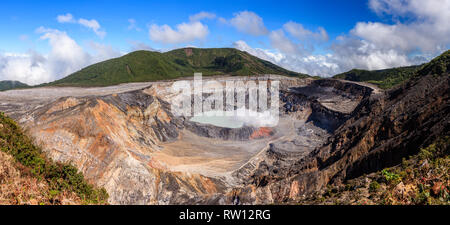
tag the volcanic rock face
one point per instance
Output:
(126, 139)
(381, 130)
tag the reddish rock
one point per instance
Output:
(262, 132)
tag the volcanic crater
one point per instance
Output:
(127, 139)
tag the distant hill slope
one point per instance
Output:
(438, 66)
(9, 84)
(389, 78)
(143, 66)
(385, 79)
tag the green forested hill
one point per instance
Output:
(143, 66)
(385, 79)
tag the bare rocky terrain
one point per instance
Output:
(126, 139)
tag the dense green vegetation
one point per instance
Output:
(385, 79)
(143, 66)
(438, 66)
(9, 84)
(60, 176)
(427, 174)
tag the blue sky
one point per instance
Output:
(21, 18)
(44, 40)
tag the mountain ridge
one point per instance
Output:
(142, 66)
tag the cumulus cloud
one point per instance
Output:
(185, 32)
(297, 30)
(346, 54)
(26, 68)
(249, 22)
(91, 24)
(64, 58)
(66, 55)
(420, 28)
(427, 28)
(202, 15)
(352, 53)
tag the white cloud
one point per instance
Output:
(297, 30)
(222, 20)
(185, 32)
(258, 52)
(67, 18)
(132, 25)
(350, 53)
(420, 27)
(279, 41)
(66, 55)
(28, 68)
(347, 54)
(102, 52)
(434, 10)
(427, 28)
(91, 24)
(202, 15)
(64, 58)
(309, 64)
(249, 22)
